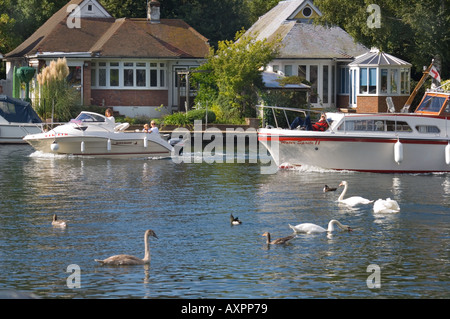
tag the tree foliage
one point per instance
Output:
(234, 79)
(415, 30)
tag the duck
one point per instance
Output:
(278, 241)
(386, 206)
(58, 223)
(310, 228)
(327, 188)
(234, 221)
(122, 260)
(351, 201)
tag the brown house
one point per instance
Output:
(128, 64)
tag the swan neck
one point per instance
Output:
(146, 248)
(334, 222)
(341, 197)
(268, 238)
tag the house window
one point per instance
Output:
(288, 70)
(344, 87)
(325, 84)
(307, 12)
(404, 80)
(141, 74)
(101, 74)
(302, 71)
(313, 69)
(114, 74)
(368, 80)
(394, 81)
(128, 75)
(384, 80)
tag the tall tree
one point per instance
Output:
(415, 30)
(235, 75)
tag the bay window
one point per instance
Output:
(128, 75)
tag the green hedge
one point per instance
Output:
(182, 118)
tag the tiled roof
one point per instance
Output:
(107, 37)
(304, 40)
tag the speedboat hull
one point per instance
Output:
(128, 146)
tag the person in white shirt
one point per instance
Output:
(154, 128)
(109, 115)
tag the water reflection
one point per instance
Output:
(109, 203)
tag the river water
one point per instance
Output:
(110, 203)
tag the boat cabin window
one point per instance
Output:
(374, 126)
(87, 117)
(431, 103)
(428, 129)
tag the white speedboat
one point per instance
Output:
(17, 119)
(416, 142)
(92, 134)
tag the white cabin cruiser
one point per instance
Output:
(416, 142)
(17, 119)
(92, 134)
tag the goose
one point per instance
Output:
(309, 228)
(327, 188)
(58, 223)
(351, 201)
(386, 206)
(119, 260)
(278, 241)
(234, 221)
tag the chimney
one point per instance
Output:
(153, 11)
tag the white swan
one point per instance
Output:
(278, 241)
(58, 223)
(386, 206)
(119, 260)
(309, 228)
(354, 200)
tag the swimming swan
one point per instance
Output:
(309, 228)
(234, 221)
(119, 260)
(278, 241)
(351, 201)
(386, 206)
(58, 223)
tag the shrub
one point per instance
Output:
(181, 118)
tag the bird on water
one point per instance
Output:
(121, 260)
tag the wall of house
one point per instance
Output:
(131, 102)
(87, 97)
(376, 104)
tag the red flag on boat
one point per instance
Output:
(435, 74)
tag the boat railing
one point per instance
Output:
(285, 109)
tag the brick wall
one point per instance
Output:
(129, 97)
(377, 104)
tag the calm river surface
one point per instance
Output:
(110, 203)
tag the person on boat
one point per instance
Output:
(320, 125)
(146, 129)
(154, 128)
(109, 115)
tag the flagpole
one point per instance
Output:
(416, 89)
